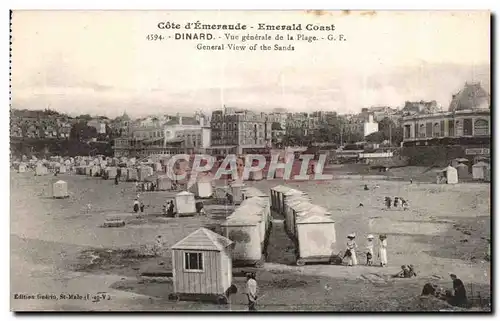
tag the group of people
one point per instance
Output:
(351, 256)
(407, 271)
(138, 205)
(169, 208)
(397, 200)
(457, 297)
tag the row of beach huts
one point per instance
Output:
(243, 240)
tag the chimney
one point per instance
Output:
(370, 118)
(202, 121)
(180, 120)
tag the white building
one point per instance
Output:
(370, 126)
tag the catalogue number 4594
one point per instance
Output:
(155, 37)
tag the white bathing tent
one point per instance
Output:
(185, 203)
(479, 170)
(462, 170)
(60, 189)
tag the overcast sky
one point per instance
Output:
(101, 63)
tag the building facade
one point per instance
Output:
(239, 131)
(462, 131)
(179, 135)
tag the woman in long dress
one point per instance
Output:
(369, 250)
(383, 250)
(351, 247)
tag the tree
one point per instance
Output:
(81, 132)
(376, 137)
(391, 130)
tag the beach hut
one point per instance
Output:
(448, 175)
(462, 171)
(60, 189)
(62, 169)
(203, 188)
(316, 239)
(236, 192)
(487, 174)
(111, 172)
(479, 170)
(41, 170)
(290, 193)
(292, 206)
(265, 204)
(131, 175)
(185, 203)
(143, 172)
(96, 171)
(276, 196)
(245, 232)
(202, 267)
(21, 168)
(163, 183)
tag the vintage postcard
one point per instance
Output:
(250, 161)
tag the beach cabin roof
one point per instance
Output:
(293, 191)
(248, 209)
(241, 220)
(60, 182)
(461, 159)
(312, 218)
(203, 239)
(184, 193)
(254, 192)
(481, 164)
(281, 188)
(461, 165)
(256, 200)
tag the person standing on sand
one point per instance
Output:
(351, 250)
(142, 207)
(382, 254)
(251, 292)
(136, 205)
(369, 250)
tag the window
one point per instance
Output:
(435, 131)
(451, 128)
(467, 127)
(422, 130)
(428, 130)
(193, 261)
(481, 127)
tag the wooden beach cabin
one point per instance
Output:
(60, 189)
(185, 203)
(202, 267)
(292, 193)
(462, 171)
(245, 232)
(479, 169)
(276, 197)
(316, 239)
(236, 192)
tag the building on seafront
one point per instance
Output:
(178, 135)
(238, 131)
(466, 123)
